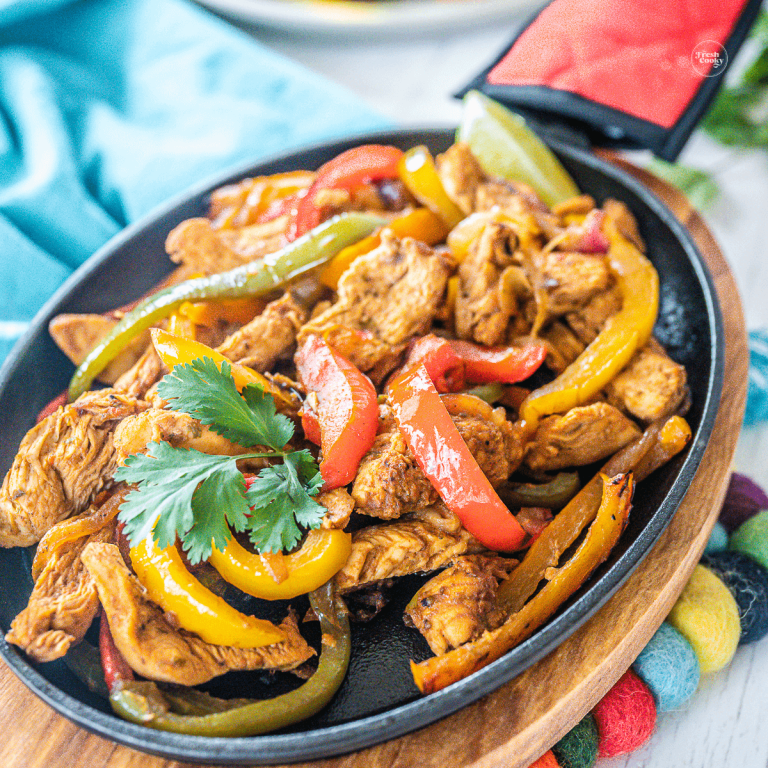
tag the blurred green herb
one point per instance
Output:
(739, 116)
(699, 186)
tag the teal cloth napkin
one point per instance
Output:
(109, 107)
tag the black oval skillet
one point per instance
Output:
(378, 700)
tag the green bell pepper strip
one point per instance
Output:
(553, 495)
(253, 279)
(145, 704)
(505, 146)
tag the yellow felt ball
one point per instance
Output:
(707, 615)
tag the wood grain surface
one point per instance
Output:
(513, 726)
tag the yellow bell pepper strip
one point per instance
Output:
(144, 703)
(623, 334)
(438, 672)
(347, 412)
(446, 460)
(505, 146)
(420, 224)
(170, 585)
(674, 436)
(578, 513)
(418, 172)
(320, 557)
(254, 279)
(175, 350)
(211, 313)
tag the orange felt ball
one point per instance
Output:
(547, 760)
(626, 717)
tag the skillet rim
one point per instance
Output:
(405, 718)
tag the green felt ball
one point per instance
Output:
(578, 748)
(751, 538)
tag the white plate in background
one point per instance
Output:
(361, 16)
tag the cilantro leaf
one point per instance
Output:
(183, 493)
(280, 499)
(210, 395)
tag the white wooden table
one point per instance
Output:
(411, 82)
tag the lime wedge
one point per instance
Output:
(506, 147)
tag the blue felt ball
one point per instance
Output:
(669, 667)
(748, 582)
(718, 540)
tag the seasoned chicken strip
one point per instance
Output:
(385, 298)
(62, 463)
(456, 606)
(569, 280)
(587, 321)
(581, 436)
(201, 249)
(421, 541)
(481, 312)
(64, 600)
(651, 386)
(181, 430)
(461, 175)
(77, 335)
(261, 342)
(157, 651)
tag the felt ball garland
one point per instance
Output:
(724, 604)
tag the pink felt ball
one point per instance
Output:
(626, 717)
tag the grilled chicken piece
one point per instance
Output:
(157, 651)
(461, 175)
(385, 298)
(77, 335)
(581, 436)
(147, 371)
(339, 504)
(255, 240)
(201, 249)
(587, 321)
(563, 347)
(651, 386)
(625, 221)
(456, 606)
(181, 430)
(64, 601)
(62, 463)
(421, 541)
(569, 280)
(482, 312)
(389, 482)
(261, 342)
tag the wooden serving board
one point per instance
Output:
(521, 720)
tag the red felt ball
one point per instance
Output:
(626, 717)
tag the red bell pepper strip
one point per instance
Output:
(451, 363)
(444, 457)
(444, 366)
(508, 364)
(348, 170)
(115, 667)
(348, 411)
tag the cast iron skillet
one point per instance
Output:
(378, 700)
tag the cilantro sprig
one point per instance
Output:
(201, 498)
